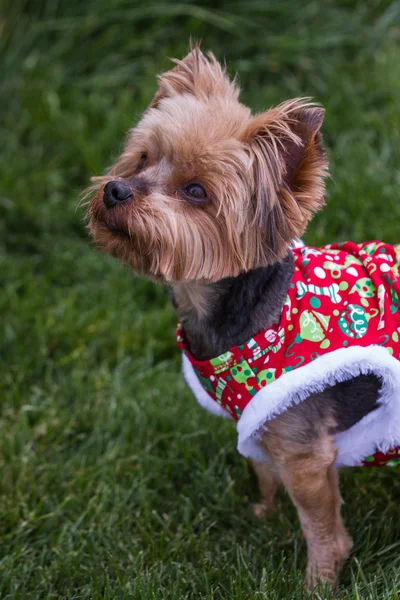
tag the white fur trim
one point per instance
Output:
(200, 393)
(298, 243)
(379, 430)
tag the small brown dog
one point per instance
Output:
(209, 199)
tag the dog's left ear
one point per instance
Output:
(290, 167)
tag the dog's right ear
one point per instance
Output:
(197, 74)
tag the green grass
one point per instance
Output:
(114, 483)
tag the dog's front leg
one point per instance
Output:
(306, 467)
(311, 485)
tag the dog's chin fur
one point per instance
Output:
(263, 175)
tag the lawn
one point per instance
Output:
(114, 483)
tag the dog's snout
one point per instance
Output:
(116, 192)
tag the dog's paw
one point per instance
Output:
(319, 577)
(262, 510)
(324, 567)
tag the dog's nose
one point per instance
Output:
(116, 192)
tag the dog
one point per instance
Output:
(298, 344)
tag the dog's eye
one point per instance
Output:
(142, 163)
(195, 192)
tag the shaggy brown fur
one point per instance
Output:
(264, 177)
(218, 192)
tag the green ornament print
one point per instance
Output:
(310, 326)
(310, 329)
(364, 287)
(353, 321)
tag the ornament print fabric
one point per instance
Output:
(341, 295)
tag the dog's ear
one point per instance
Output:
(289, 172)
(197, 74)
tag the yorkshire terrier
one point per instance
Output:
(298, 344)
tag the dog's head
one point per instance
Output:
(204, 189)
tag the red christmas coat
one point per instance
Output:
(341, 318)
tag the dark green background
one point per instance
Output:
(114, 484)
